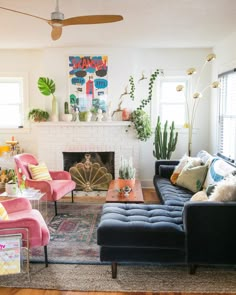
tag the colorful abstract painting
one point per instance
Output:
(88, 83)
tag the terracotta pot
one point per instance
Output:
(125, 115)
(126, 182)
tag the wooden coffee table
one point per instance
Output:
(114, 196)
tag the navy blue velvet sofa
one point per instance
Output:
(176, 231)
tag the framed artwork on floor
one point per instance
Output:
(88, 82)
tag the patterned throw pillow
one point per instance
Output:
(3, 213)
(218, 169)
(39, 172)
(192, 178)
(193, 161)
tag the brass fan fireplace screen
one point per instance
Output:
(91, 174)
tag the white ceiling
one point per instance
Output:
(146, 24)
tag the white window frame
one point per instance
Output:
(157, 106)
(22, 78)
(223, 114)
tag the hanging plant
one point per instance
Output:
(142, 124)
(140, 119)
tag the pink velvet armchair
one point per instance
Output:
(55, 189)
(23, 219)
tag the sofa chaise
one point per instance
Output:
(177, 231)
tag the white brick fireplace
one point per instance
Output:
(52, 139)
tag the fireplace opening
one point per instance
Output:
(92, 171)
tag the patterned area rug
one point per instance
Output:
(73, 234)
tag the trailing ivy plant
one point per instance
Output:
(142, 124)
(141, 120)
(132, 87)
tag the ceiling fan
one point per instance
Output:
(57, 21)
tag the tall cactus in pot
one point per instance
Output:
(165, 141)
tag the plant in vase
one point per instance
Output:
(126, 173)
(47, 87)
(11, 186)
(67, 116)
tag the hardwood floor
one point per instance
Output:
(149, 196)
(13, 291)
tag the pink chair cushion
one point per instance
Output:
(61, 188)
(21, 215)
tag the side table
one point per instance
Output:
(114, 196)
(34, 196)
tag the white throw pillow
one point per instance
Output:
(225, 190)
(199, 196)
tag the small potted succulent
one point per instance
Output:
(67, 116)
(126, 173)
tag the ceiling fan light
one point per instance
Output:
(56, 23)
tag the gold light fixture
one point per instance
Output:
(197, 95)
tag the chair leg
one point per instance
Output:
(55, 203)
(114, 270)
(46, 255)
(72, 196)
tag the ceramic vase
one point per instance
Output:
(11, 189)
(54, 116)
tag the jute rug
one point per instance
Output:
(130, 278)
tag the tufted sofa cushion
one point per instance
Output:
(139, 225)
(171, 194)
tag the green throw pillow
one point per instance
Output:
(192, 178)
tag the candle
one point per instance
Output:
(12, 138)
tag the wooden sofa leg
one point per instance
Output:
(46, 255)
(114, 270)
(192, 269)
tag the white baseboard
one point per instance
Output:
(147, 183)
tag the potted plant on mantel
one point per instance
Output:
(47, 87)
(38, 115)
(126, 173)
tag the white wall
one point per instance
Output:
(122, 62)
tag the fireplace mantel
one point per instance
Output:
(81, 123)
(54, 138)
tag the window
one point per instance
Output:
(172, 105)
(11, 102)
(227, 114)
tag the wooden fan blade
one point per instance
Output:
(56, 33)
(91, 19)
(38, 17)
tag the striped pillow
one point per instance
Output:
(39, 172)
(3, 213)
